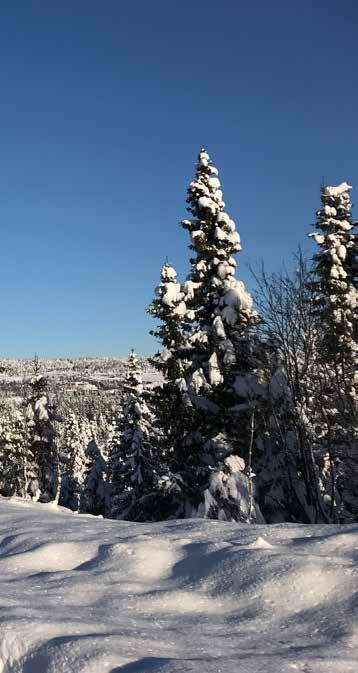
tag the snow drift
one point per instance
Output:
(81, 594)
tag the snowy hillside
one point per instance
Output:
(101, 373)
(86, 595)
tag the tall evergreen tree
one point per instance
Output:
(94, 492)
(16, 459)
(40, 416)
(222, 339)
(170, 308)
(336, 293)
(336, 269)
(73, 450)
(220, 303)
(173, 410)
(132, 470)
(212, 344)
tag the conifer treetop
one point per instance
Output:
(214, 240)
(133, 377)
(170, 291)
(206, 204)
(336, 241)
(169, 306)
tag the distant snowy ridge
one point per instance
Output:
(81, 594)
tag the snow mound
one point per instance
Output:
(260, 543)
(51, 557)
(81, 594)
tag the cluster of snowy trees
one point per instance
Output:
(49, 457)
(255, 417)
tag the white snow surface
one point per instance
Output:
(81, 594)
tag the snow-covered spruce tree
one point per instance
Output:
(223, 351)
(74, 459)
(132, 466)
(40, 417)
(174, 415)
(213, 345)
(9, 473)
(336, 270)
(94, 491)
(336, 302)
(170, 308)
(16, 460)
(219, 303)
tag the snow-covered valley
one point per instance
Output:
(81, 594)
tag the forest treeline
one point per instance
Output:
(254, 417)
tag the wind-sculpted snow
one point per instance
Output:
(84, 595)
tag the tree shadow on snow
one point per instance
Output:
(144, 665)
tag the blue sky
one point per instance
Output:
(103, 109)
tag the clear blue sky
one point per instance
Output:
(103, 108)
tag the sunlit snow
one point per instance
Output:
(85, 595)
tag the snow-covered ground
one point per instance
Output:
(85, 595)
